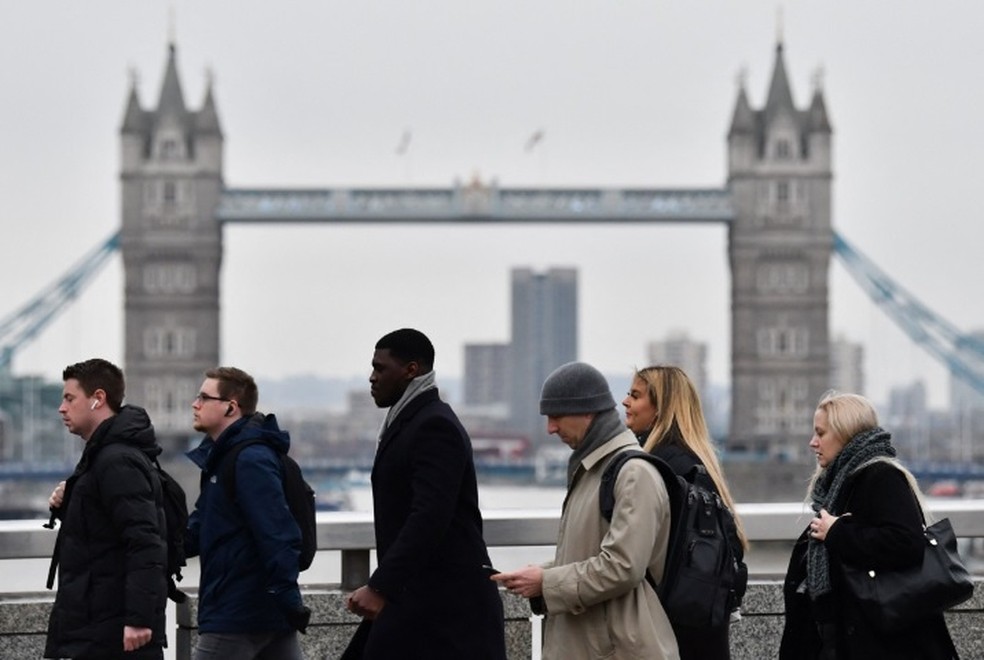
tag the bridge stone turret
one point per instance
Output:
(780, 245)
(171, 180)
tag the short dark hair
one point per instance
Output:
(409, 345)
(237, 385)
(99, 374)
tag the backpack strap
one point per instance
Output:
(606, 493)
(227, 466)
(53, 566)
(675, 490)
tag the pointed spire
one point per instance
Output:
(207, 119)
(780, 95)
(171, 100)
(743, 118)
(818, 120)
(134, 118)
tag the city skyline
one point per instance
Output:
(636, 95)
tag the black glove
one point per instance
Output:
(299, 618)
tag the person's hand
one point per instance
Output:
(526, 582)
(365, 602)
(820, 525)
(299, 618)
(57, 496)
(134, 638)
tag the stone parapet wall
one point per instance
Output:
(24, 619)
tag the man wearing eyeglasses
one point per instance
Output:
(249, 604)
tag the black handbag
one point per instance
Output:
(893, 599)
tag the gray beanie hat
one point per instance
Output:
(575, 388)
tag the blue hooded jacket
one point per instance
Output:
(249, 547)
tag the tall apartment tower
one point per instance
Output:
(679, 350)
(544, 336)
(486, 374)
(780, 242)
(171, 180)
(967, 405)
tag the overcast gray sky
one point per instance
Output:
(629, 93)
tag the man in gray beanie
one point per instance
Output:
(595, 594)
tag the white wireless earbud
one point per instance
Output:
(95, 402)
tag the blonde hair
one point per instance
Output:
(847, 415)
(680, 418)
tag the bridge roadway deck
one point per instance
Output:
(475, 204)
(770, 527)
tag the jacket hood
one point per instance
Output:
(263, 426)
(131, 425)
(257, 426)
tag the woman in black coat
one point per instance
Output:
(868, 515)
(663, 409)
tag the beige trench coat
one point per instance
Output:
(599, 604)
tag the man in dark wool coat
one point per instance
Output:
(111, 551)
(430, 598)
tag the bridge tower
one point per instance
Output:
(780, 244)
(171, 181)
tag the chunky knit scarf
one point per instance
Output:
(605, 426)
(860, 450)
(417, 386)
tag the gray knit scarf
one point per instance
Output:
(861, 449)
(417, 386)
(605, 426)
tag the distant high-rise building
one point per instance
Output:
(486, 374)
(544, 336)
(908, 415)
(967, 408)
(846, 366)
(963, 395)
(679, 350)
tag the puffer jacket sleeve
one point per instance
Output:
(128, 494)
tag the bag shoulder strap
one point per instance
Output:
(909, 477)
(227, 465)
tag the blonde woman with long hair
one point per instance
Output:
(867, 514)
(663, 409)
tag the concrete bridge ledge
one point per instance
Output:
(24, 620)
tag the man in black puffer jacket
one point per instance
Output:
(111, 551)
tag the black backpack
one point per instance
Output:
(176, 522)
(299, 495)
(705, 576)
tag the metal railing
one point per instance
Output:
(352, 535)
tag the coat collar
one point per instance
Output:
(408, 412)
(624, 439)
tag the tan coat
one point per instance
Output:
(599, 604)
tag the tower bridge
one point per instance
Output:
(775, 205)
